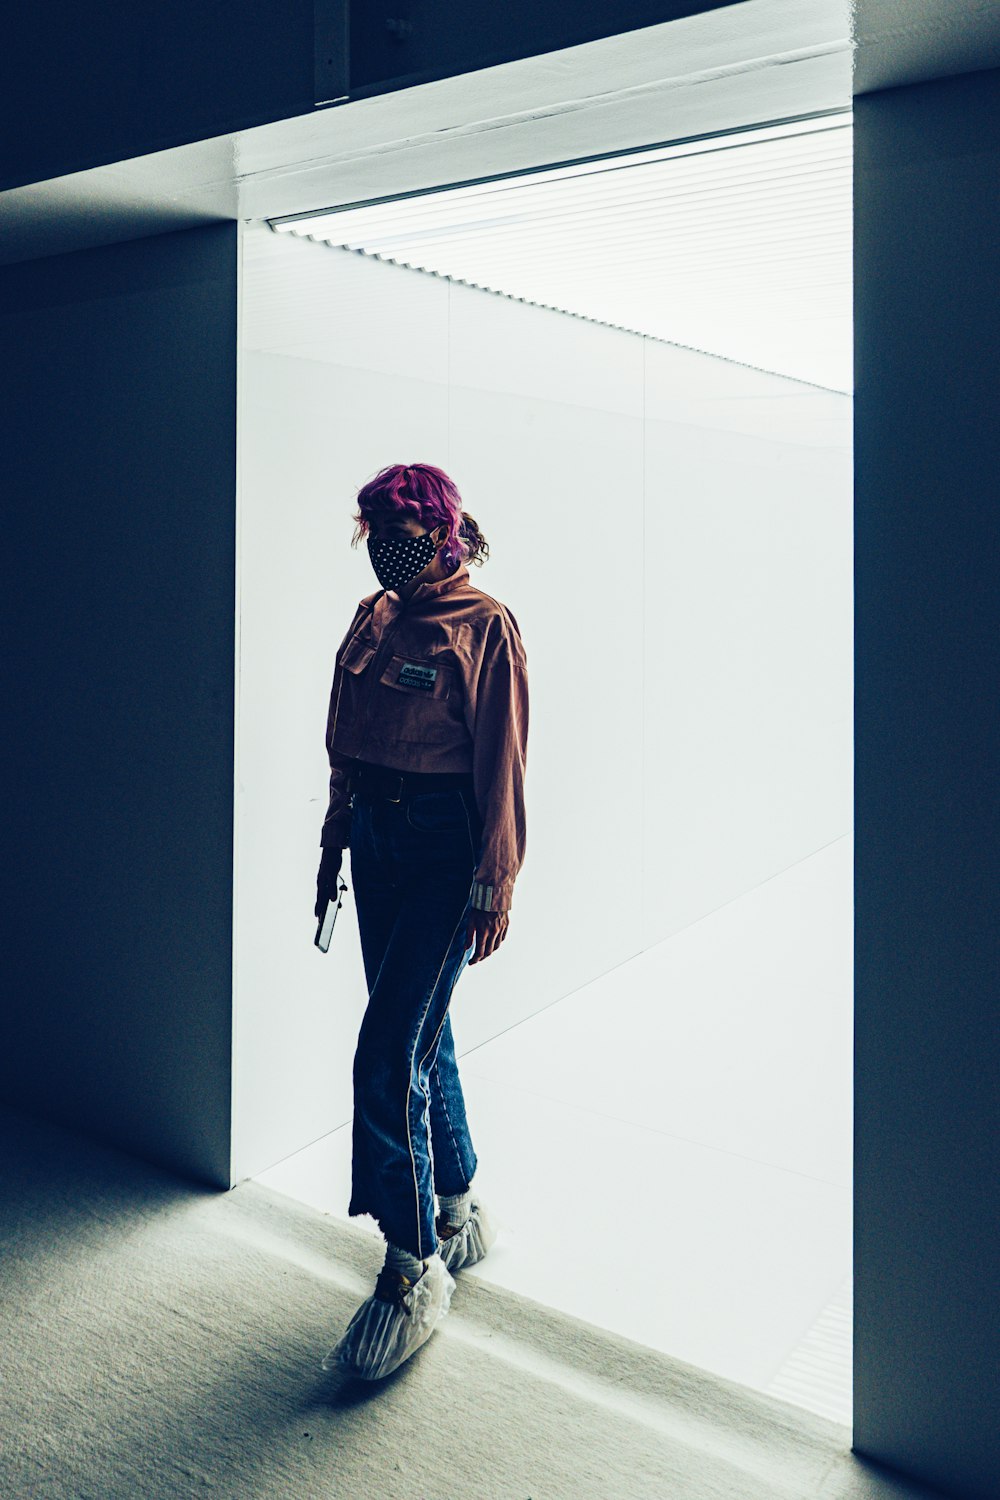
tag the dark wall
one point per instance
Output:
(81, 86)
(927, 773)
(396, 42)
(117, 606)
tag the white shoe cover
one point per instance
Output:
(472, 1241)
(381, 1335)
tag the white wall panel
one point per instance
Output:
(546, 446)
(748, 630)
(356, 314)
(501, 344)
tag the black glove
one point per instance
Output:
(326, 880)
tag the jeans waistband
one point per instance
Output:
(395, 786)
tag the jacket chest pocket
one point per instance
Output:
(420, 691)
(356, 654)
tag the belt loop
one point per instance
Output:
(399, 793)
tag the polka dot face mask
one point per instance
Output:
(397, 560)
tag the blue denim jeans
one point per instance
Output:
(412, 864)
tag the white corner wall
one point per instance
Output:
(748, 678)
(673, 533)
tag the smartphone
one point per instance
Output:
(324, 931)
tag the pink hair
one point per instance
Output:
(419, 490)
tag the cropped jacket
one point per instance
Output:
(437, 682)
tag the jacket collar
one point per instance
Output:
(456, 579)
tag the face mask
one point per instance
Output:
(397, 560)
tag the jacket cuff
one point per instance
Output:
(489, 897)
(335, 835)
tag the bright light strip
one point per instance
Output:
(739, 244)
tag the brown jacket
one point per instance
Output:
(437, 682)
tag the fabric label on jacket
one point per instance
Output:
(411, 675)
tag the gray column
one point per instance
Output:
(117, 610)
(927, 459)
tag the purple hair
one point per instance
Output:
(422, 491)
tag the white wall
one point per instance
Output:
(673, 534)
(748, 630)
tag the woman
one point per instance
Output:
(427, 739)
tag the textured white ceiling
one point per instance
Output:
(738, 245)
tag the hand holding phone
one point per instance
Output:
(329, 916)
(326, 878)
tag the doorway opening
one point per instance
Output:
(637, 368)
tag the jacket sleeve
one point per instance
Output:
(497, 715)
(336, 830)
